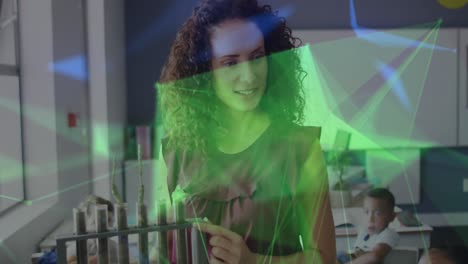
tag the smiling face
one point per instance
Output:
(239, 64)
(378, 214)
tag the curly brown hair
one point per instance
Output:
(185, 93)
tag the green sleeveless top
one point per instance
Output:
(251, 192)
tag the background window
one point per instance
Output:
(11, 149)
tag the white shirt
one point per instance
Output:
(367, 242)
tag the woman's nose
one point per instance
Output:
(246, 72)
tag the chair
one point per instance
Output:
(402, 255)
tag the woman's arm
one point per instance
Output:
(313, 206)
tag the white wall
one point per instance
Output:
(345, 72)
(106, 47)
(71, 96)
(58, 171)
(116, 79)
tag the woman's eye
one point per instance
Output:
(258, 56)
(229, 63)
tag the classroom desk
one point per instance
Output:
(413, 237)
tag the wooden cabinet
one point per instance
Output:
(392, 88)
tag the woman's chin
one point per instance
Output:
(247, 108)
(243, 107)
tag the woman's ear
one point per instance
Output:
(392, 216)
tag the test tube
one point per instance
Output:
(199, 246)
(142, 237)
(101, 226)
(79, 228)
(180, 234)
(121, 224)
(161, 237)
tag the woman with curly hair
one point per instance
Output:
(231, 99)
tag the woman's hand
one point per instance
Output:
(227, 246)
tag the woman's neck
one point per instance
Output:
(237, 121)
(241, 129)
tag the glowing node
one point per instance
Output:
(453, 4)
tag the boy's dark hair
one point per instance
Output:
(384, 194)
(458, 254)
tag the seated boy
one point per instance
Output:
(376, 240)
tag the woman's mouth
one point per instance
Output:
(245, 92)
